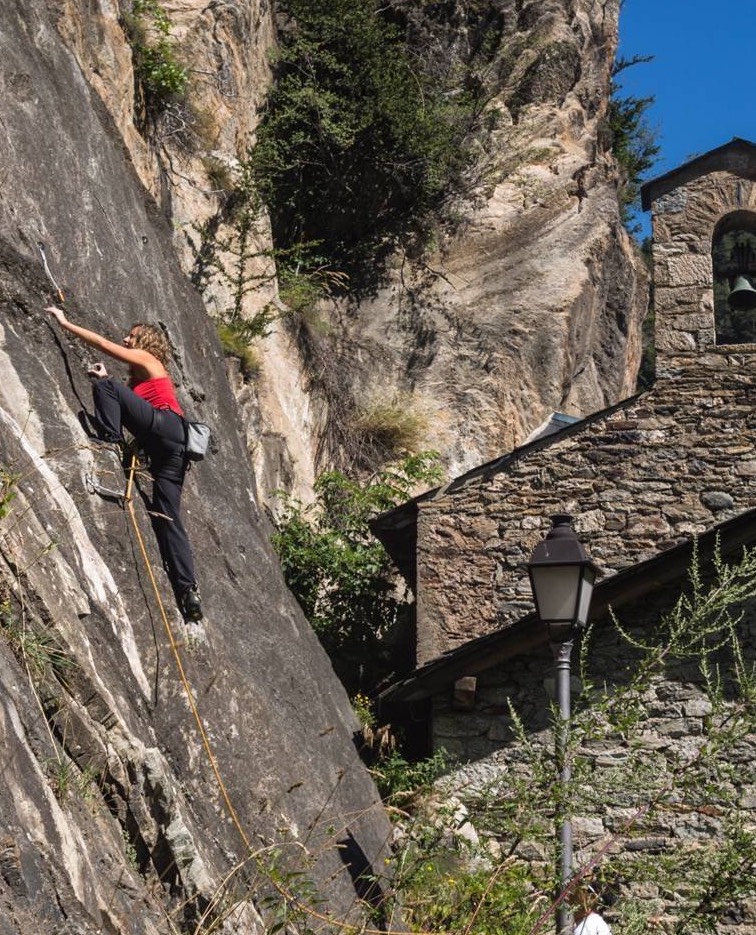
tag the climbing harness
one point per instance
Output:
(58, 290)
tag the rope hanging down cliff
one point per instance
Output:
(345, 927)
(128, 500)
(148, 409)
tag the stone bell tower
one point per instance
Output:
(704, 258)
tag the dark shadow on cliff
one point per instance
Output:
(366, 885)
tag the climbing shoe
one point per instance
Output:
(191, 606)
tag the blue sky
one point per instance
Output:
(703, 75)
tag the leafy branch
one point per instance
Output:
(156, 67)
(634, 143)
(340, 574)
(362, 142)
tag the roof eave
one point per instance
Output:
(662, 184)
(525, 635)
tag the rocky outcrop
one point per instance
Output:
(188, 159)
(535, 304)
(117, 812)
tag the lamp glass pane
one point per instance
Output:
(556, 590)
(586, 593)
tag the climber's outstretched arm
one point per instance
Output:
(133, 356)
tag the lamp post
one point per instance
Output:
(562, 577)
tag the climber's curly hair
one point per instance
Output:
(152, 339)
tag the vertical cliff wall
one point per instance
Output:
(114, 816)
(534, 303)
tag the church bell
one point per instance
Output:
(743, 296)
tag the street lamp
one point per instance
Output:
(562, 577)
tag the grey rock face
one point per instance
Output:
(534, 305)
(114, 815)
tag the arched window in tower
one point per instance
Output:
(733, 254)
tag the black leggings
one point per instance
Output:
(160, 432)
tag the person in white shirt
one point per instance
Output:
(592, 924)
(589, 922)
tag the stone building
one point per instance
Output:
(643, 479)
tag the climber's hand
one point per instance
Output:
(97, 371)
(57, 313)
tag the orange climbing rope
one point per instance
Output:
(128, 500)
(288, 896)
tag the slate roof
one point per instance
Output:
(527, 634)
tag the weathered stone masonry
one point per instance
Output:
(661, 469)
(674, 729)
(641, 480)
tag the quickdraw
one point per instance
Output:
(58, 290)
(94, 486)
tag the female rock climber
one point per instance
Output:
(148, 408)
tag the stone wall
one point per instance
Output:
(683, 225)
(616, 819)
(659, 468)
(670, 464)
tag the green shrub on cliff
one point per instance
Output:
(156, 67)
(634, 142)
(358, 145)
(339, 572)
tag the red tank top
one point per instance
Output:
(158, 392)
